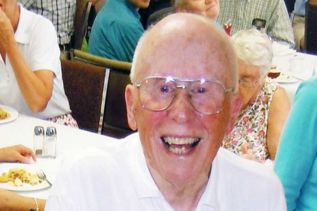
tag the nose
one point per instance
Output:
(181, 109)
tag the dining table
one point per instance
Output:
(294, 67)
(70, 141)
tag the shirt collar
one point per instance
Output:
(209, 197)
(144, 183)
(22, 35)
(148, 189)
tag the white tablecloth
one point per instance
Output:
(300, 65)
(69, 142)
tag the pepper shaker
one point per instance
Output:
(49, 147)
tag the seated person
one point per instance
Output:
(98, 4)
(182, 101)
(30, 69)
(11, 200)
(117, 29)
(61, 13)
(242, 13)
(209, 8)
(154, 6)
(296, 159)
(299, 23)
(265, 105)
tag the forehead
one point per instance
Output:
(248, 70)
(192, 57)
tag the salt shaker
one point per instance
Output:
(38, 139)
(49, 145)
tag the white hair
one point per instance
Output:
(254, 47)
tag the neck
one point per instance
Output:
(181, 195)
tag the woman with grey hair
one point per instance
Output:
(265, 105)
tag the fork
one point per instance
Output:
(42, 176)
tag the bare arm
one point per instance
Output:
(36, 87)
(278, 113)
(14, 202)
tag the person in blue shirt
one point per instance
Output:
(296, 160)
(117, 29)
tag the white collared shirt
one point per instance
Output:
(37, 40)
(117, 178)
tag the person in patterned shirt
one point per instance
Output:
(265, 105)
(241, 14)
(60, 12)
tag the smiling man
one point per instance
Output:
(182, 101)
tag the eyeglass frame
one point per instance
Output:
(182, 86)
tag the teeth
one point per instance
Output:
(178, 150)
(179, 141)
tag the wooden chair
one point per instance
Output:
(115, 121)
(114, 118)
(83, 8)
(84, 84)
(98, 60)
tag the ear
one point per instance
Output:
(130, 99)
(235, 107)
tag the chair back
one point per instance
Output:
(83, 8)
(84, 84)
(114, 118)
(80, 55)
(115, 122)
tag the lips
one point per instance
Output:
(180, 145)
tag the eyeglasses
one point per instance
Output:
(158, 93)
(248, 83)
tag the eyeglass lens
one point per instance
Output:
(157, 94)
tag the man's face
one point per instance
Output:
(142, 4)
(212, 9)
(180, 143)
(193, 6)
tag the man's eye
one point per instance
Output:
(165, 89)
(199, 90)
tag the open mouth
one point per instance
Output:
(180, 146)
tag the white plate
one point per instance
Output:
(285, 78)
(13, 114)
(5, 167)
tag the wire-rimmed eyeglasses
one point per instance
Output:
(158, 93)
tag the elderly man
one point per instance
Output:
(117, 29)
(182, 101)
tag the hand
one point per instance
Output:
(17, 153)
(6, 30)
